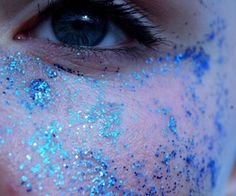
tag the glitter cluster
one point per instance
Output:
(40, 92)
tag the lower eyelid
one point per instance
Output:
(85, 61)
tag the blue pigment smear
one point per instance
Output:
(202, 65)
(214, 173)
(40, 92)
(200, 59)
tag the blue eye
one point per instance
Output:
(90, 23)
(79, 28)
(92, 33)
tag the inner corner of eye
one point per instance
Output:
(35, 28)
(22, 31)
(19, 34)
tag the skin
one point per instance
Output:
(173, 131)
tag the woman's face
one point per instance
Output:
(97, 99)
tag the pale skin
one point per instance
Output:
(202, 112)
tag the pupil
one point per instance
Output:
(82, 21)
(79, 29)
(77, 25)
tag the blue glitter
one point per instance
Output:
(9, 131)
(112, 181)
(28, 157)
(40, 92)
(168, 157)
(89, 166)
(188, 113)
(149, 61)
(36, 168)
(138, 164)
(172, 125)
(21, 166)
(29, 189)
(190, 159)
(24, 178)
(2, 141)
(152, 191)
(51, 73)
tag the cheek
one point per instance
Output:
(176, 129)
(150, 132)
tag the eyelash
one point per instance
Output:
(148, 36)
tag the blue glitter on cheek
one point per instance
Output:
(83, 170)
(24, 178)
(51, 73)
(172, 125)
(40, 92)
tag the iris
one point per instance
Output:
(79, 28)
